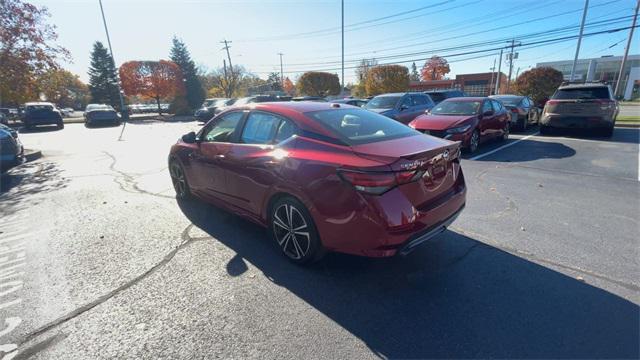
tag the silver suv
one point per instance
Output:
(581, 106)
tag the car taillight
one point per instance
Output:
(377, 182)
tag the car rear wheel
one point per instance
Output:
(60, 125)
(608, 132)
(545, 130)
(179, 180)
(474, 141)
(294, 231)
(523, 124)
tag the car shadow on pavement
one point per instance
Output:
(620, 135)
(38, 129)
(454, 297)
(528, 150)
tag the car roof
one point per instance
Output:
(467, 98)
(393, 94)
(585, 85)
(441, 91)
(506, 96)
(35, 103)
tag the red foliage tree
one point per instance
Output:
(289, 87)
(435, 68)
(152, 79)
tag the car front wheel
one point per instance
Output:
(474, 141)
(293, 229)
(179, 180)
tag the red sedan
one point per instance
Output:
(323, 177)
(470, 120)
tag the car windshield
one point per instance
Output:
(582, 93)
(437, 97)
(509, 101)
(457, 108)
(209, 102)
(383, 102)
(355, 126)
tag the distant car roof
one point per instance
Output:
(585, 85)
(36, 103)
(394, 94)
(506, 96)
(467, 98)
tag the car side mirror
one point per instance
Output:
(189, 138)
(487, 113)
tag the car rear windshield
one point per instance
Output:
(457, 108)
(509, 101)
(383, 102)
(34, 108)
(584, 93)
(356, 126)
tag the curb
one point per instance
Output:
(31, 155)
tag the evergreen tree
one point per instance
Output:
(103, 78)
(274, 81)
(415, 75)
(194, 94)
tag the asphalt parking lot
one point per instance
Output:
(98, 260)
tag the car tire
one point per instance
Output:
(474, 141)
(505, 133)
(545, 130)
(288, 217)
(523, 124)
(179, 180)
(608, 132)
(60, 125)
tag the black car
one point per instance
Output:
(440, 95)
(523, 110)
(11, 149)
(100, 114)
(256, 99)
(41, 113)
(211, 107)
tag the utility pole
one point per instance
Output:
(511, 57)
(575, 59)
(226, 78)
(233, 78)
(123, 110)
(281, 72)
(626, 50)
(342, 78)
(493, 73)
(498, 77)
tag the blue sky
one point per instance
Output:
(307, 32)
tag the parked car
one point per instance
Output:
(41, 113)
(66, 112)
(210, 107)
(354, 102)
(523, 110)
(581, 106)
(11, 149)
(470, 120)
(4, 119)
(403, 107)
(323, 176)
(440, 95)
(309, 98)
(100, 114)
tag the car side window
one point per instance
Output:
(486, 106)
(223, 129)
(260, 128)
(286, 129)
(497, 106)
(420, 100)
(407, 101)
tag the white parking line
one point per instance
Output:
(503, 147)
(638, 162)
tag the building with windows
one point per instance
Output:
(480, 84)
(604, 68)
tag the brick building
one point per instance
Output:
(480, 84)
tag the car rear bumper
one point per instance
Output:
(575, 122)
(47, 121)
(389, 224)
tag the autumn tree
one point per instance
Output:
(27, 50)
(275, 81)
(435, 68)
(361, 74)
(538, 83)
(289, 87)
(103, 78)
(387, 78)
(152, 79)
(316, 83)
(63, 88)
(415, 75)
(219, 83)
(194, 93)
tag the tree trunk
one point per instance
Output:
(159, 108)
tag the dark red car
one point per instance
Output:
(470, 120)
(323, 177)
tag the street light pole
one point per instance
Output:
(342, 78)
(281, 72)
(498, 78)
(123, 110)
(626, 50)
(575, 59)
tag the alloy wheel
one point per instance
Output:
(178, 179)
(291, 231)
(474, 141)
